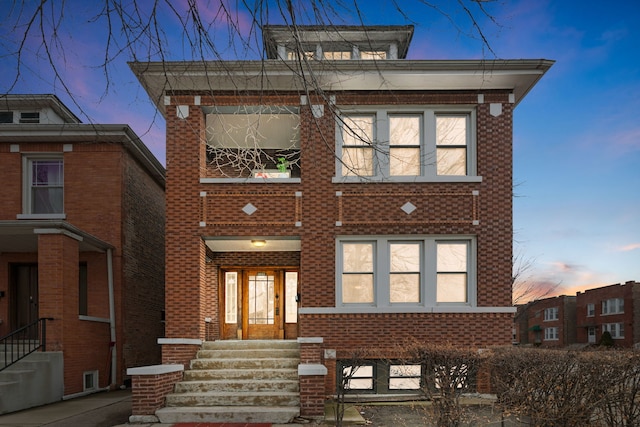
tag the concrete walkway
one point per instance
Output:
(104, 409)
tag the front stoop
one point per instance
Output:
(238, 382)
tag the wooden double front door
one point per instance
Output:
(259, 303)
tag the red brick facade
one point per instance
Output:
(557, 313)
(113, 223)
(320, 209)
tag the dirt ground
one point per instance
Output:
(419, 414)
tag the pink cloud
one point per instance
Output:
(630, 247)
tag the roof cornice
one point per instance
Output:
(516, 75)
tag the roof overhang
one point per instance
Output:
(85, 133)
(22, 235)
(166, 78)
(247, 244)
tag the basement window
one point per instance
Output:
(90, 381)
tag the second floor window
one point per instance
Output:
(45, 186)
(388, 144)
(613, 306)
(591, 310)
(551, 313)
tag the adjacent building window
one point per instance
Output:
(44, 185)
(6, 117)
(591, 310)
(613, 306)
(337, 55)
(615, 329)
(551, 314)
(384, 271)
(83, 290)
(388, 144)
(551, 334)
(30, 117)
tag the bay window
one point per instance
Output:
(405, 271)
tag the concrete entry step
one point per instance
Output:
(221, 414)
(238, 382)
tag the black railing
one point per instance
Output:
(22, 342)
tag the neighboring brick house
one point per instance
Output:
(548, 322)
(614, 308)
(391, 219)
(81, 239)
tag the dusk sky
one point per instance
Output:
(576, 134)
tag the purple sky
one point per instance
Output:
(576, 137)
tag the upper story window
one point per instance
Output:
(426, 144)
(591, 310)
(6, 117)
(44, 185)
(551, 313)
(373, 54)
(425, 271)
(613, 306)
(30, 117)
(253, 142)
(337, 55)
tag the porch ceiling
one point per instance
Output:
(272, 244)
(22, 236)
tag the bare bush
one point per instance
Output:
(568, 388)
(448, 372)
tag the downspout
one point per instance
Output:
(112, 316)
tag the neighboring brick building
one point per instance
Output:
(548, 322)
(391, 219)
(81, 239)
(614, 308)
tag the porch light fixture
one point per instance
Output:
(258, 243)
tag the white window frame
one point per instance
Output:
(551, 334)
(591, 310)
(428, 142)
(551, 314)
(612, 306)
(27, 208)
(428, 274)
(615, 329)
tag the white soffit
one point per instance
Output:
(245, 245)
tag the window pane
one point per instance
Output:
(357, 130)
(359, 378)
(451, 161)
(231, 297)
(405, 257)
(452, 257)
(404, 130)
(404, 377)
(451, 130)
(357, 288)
(380, 54)
(357, 161)
(337, 55)
(404, 161)
(452, 287)
(357, 257)
(291, 291)
(404, 288)
(46, 200)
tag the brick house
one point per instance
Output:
(370, 208)
(548, 322)
(81, 240)
(614, 308)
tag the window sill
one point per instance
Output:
(250, 181)
(41, 216)
(94, 319)
(402, 179)
(404, 309)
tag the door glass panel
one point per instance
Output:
(261, 296)
(290, 292)
(231, 297)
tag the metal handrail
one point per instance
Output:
(24, 341)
